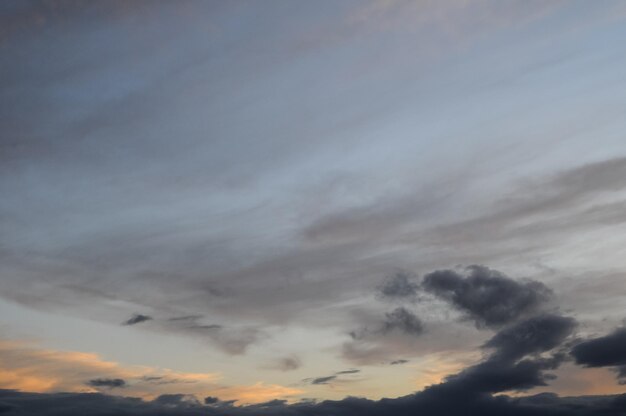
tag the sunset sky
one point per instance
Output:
(309, 202)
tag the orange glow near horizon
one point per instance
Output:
(27, 368)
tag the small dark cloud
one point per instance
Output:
(328, 379)
(107, 382)
(399, 286)
(136, 319)
(351, 371)
(398, 362)
(160, 380)
(403, 320)
(323, 380)
(487, 296)
(211, 400)
(378, 341)
(606, 351)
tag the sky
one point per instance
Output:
(300, 208)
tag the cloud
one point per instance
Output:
(515, 363)
(351, 371)
(323, 380)
(186, 318)
(403, 320)
(107, 382)
(211, 400)
(541, 211)
(192, 322)
(231, 340)
(136, 319)
(177, 400)
(398, 287)
(25, 367)
(621, 374)
(487, 296)
(168, 379)
(606, 351)
(286, 363)
(28, 368)
(328, 379)
(431, 402)
(382, 338)
(398, 362)
(534, 335)
(400, 320)
(95, 187)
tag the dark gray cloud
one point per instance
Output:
(400, 321)
(606, 351)
(508, 368)
(487, 296)
(534, 335)
(107, 382)
(399, 286)
(351, 371)
(328, 379)
(398, 362)
(494, 376)
(136, 319)
(323, 380)
(431, 402)
(403, 320)
(516, 363)
(211, 400)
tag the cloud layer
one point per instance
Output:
(277, 192)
